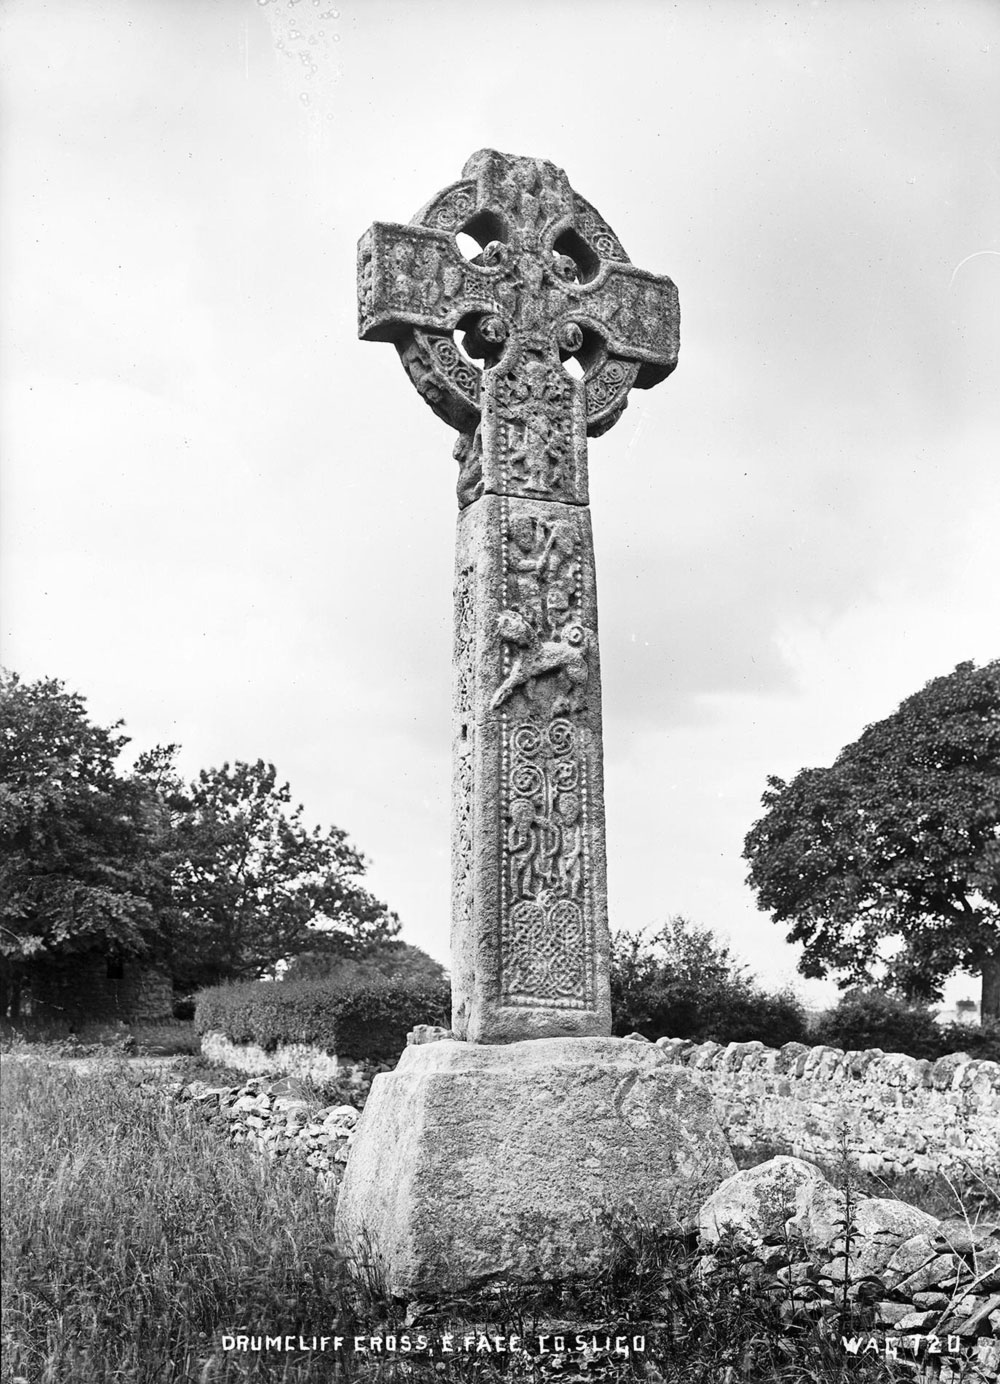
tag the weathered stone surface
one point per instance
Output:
(293, 1059)
(881, 1225)
(777, 1201)
(939, 1270)
(82, 989)
(477, 1162)
(484, 340)
(911, 1255)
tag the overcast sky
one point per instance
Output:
(230, 522)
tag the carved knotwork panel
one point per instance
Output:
(546, 900)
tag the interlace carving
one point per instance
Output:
(547, 945)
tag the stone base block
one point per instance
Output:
(477, 1164)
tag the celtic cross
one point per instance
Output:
(489, 341)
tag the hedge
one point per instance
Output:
(371, 1021)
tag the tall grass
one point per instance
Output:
(133, 1236)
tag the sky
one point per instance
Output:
(231, 523)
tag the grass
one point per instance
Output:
(134, 1238)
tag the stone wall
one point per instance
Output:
(898, 1113)
(81, 990)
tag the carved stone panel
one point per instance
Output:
(534, 429)
(529, 933)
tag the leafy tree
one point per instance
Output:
(683, 983)
(216, 880)
(79, 868)
(898, 840)
(252, 885)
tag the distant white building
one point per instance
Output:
(961, 1011)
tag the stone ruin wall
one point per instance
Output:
(82, 992)
(899, 1113)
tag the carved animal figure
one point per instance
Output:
(566, 656)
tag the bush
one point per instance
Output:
(682, 983)
(875, 1019)
(981, 1043)
(368, 1022)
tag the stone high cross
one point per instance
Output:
(484, 340)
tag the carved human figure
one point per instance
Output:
(569, 859)
(523, 845)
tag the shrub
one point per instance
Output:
(981, 1043)
(682, 983)
(875, 1019)
(368, 1022)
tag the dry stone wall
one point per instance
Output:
(81, 990)
(898, 1113)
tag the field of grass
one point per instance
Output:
(135, 1239)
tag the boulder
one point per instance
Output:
(881, 1225)
(787, 1200)
(782, 1199)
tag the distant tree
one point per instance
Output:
(252, 885)
(79, 864)
(683, 983)
(899, 839)
(393, 960)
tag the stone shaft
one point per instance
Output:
(529, 917)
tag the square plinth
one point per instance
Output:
(475, 1164)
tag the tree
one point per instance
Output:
(393, 960)
(216, 880)
(898, 841)
(252, 885)
(79, 869)
(683, 983)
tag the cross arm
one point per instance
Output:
(638, 315)
(414, 276)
